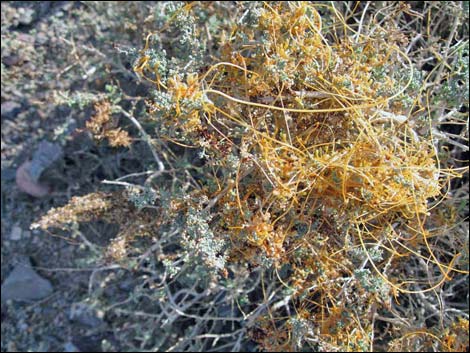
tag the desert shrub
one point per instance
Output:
(297, 196)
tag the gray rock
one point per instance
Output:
(27, 38)
(11, 60)
(41, 38)
(16, 233)
(70, 347)
(45, 154)
(85, 315)
(25, 182)
(26, 16)
(24, 284)
(10, 109)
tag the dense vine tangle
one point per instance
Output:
(329, 110)
(325, 142)
(346, 106)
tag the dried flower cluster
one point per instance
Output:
(100, 126)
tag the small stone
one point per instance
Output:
(85, 315)
(70, 347)
(35, 124)
(16, 233)
(41, 38)
(26, 16)
(45, 154)
(24, 284)
(11, 60)
(27, 38)
(11, 347)
(26, 183)
(10, 109)
(22, 326)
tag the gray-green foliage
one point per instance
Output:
(141, 198)
(300, 329)
(372, 283)
(180, 49)
(455, 90)
(200, 241)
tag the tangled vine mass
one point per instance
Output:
(311, 165)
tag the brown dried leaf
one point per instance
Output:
(118, 137)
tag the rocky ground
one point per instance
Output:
(44, 55)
